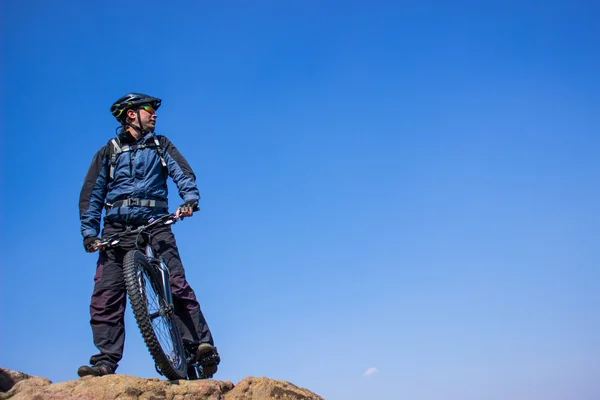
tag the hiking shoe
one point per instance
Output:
(96, 370)
(208, 357)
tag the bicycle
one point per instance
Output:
(149, 291)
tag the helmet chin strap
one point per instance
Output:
(125, 135)
(141, 131)
(139, 128)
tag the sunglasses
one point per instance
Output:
(149, 109)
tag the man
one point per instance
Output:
(128, 177)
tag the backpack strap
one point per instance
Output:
(159, 150)
(114, 154)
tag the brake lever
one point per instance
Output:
(109, 242)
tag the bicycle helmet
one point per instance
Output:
(132, 100)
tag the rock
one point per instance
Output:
(19, 386)
(265, 388)
(9, 379)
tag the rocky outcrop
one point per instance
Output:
(19, 386)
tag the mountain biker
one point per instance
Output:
(128, 178)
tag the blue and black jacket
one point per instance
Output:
(138, 174)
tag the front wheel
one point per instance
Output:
(154, 316)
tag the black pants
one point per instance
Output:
(107, 307)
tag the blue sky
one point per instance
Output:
(399, 199)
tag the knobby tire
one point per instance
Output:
(135, 265)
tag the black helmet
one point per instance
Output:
(132, 100)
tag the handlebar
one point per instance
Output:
(112, 240)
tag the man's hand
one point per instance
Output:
(91, 244)
(186, 209)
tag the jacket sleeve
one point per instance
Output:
(93, 193)
(180, 171)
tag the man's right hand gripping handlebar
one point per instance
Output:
(91, 244)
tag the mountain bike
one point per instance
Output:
(149, 289)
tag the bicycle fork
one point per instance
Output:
(164, 277)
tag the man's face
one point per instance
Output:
(147, 117)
